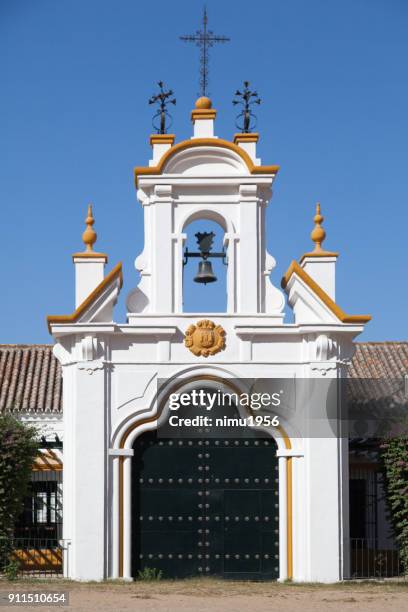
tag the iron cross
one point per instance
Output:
(204, 39)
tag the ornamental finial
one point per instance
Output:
(318, 233)
(203, 103)
(162, 120)
(246, 120)
(89, 236)
(204, 39)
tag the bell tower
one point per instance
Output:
(205, 178)
(118, 377)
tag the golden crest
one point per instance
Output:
(205, 338)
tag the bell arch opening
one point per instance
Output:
(205, 262)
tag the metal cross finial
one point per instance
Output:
(248, 98)
(162, 116)
(204, 39)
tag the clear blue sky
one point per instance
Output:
(75, 76)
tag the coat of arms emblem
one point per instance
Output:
(205, 338)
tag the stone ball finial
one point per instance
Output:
(89, 236)
(203, 103)
(318, 233)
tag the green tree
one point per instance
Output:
(18, 449)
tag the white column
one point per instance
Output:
(89, 476)
(248, 261)
(283, 522)
(162, 255)
(178, 248)
(230, 244)
(127, 518)
(115, 518)
(68, 473)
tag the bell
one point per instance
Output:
(205, 273)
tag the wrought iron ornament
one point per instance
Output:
(246, 120)
(162, 120)
(204, 39)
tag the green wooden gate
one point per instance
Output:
(206, 507)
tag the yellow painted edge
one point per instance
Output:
(90, 255)
(295, 268)
(203, 113)
(246, 137)
(71, 318)
(318, 254)
(203, 142)
(162, 139)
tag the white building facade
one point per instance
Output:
(111, 370)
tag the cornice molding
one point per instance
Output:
(203, 142)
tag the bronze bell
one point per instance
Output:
(205, 273)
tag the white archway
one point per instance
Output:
(148, 421)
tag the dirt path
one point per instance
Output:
(218, 596)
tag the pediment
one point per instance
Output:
(98, 306)
(310, 303)
(205, 157)
(203, 161)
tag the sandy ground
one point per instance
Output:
(207, 595)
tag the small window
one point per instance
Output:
(42, 514)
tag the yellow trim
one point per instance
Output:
(71, 318)
(294, 268)
(203, 113)
(246, 137)
(38, 558)
(182, 383)
(288, 445)
(318, 254)
(203, 142)
(289, 514)
(162, 139)
(47, 461)
(90, 255)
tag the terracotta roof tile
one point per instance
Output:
(31, 381)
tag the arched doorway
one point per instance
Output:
(206, 505)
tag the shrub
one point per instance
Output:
(150, 573)
(18, 449)
(394, 458)
(12, 569)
